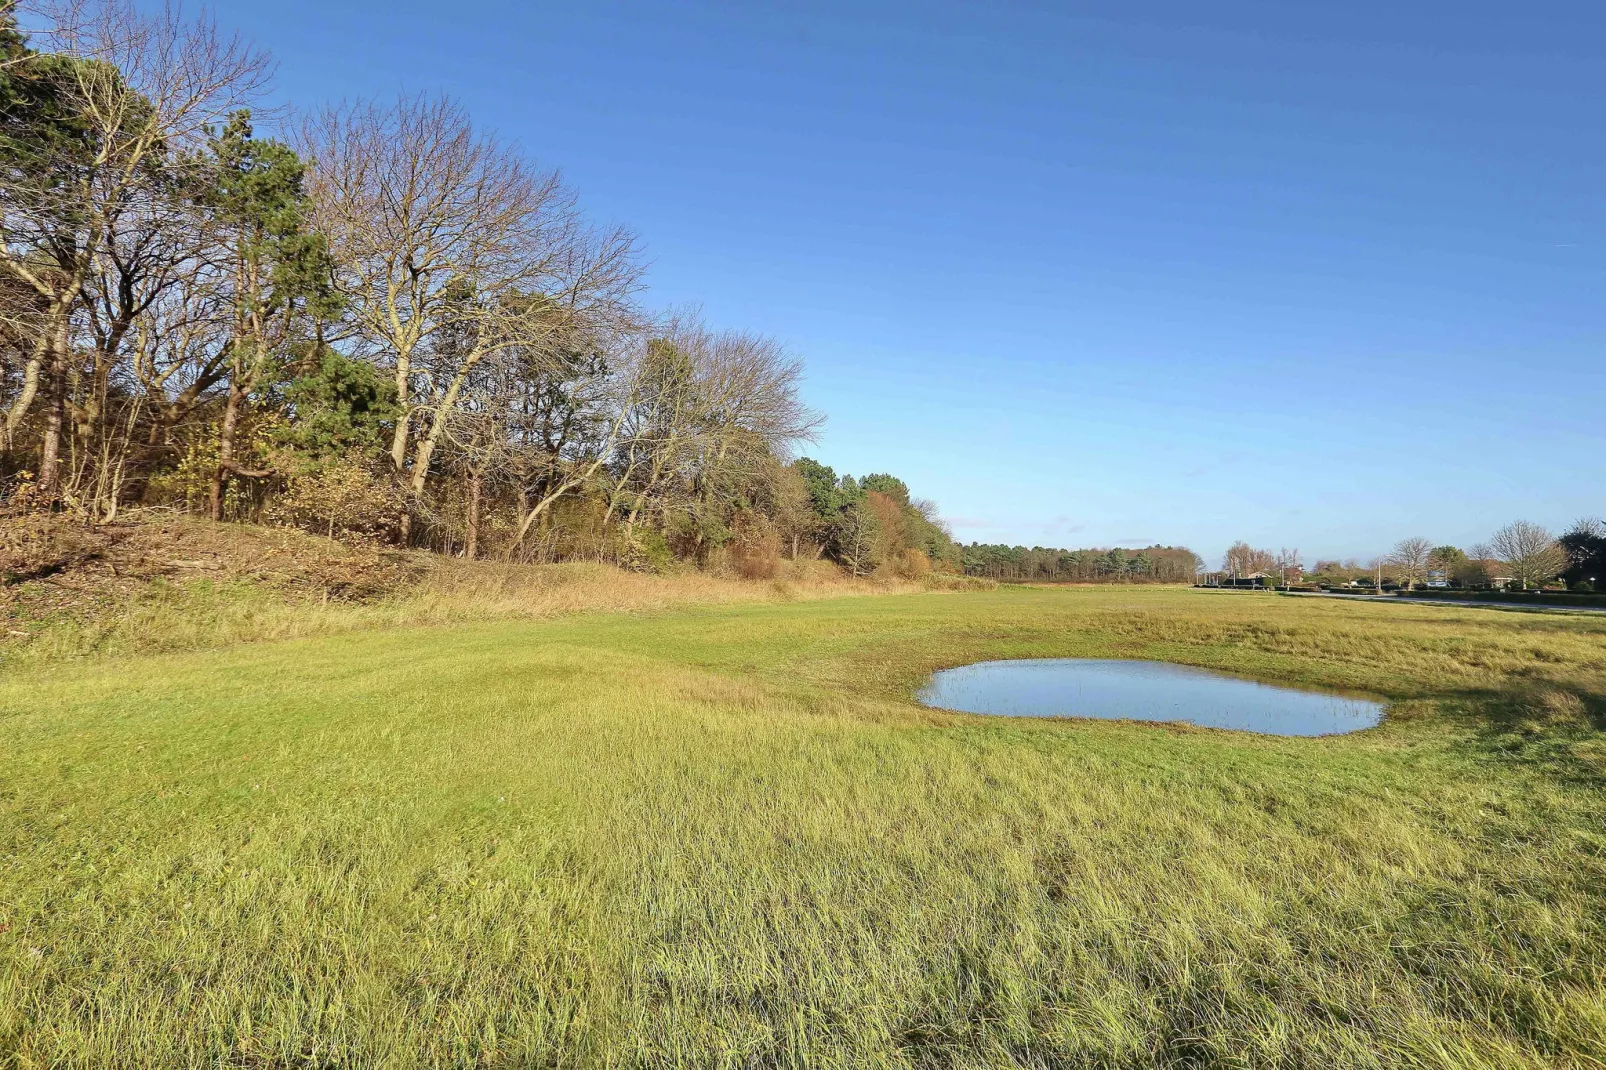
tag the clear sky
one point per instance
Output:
(1316, 276)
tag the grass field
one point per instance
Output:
(725, 836)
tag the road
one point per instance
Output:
(1465, 603)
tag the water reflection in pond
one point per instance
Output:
(1144, 691)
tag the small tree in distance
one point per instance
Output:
(1447, 559)
(1243, 560)
(1529, 552)
(1478, 569)
(1375, 567)
(1288, 563)
(1411, 556)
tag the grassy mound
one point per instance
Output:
(171, 582)
(724, 836)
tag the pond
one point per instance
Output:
(1144, 691)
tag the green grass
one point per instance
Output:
(726, 837)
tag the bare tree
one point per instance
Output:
(1410, 556)
(53, 18)
(1591, 526)
(529, 419)
(749, 413)
(179, 351)
(1243, 560)
(1478, 568)
(614, 399)
(450, 247)
(1288, 562)
(712, 409)
(142, 284)
(1529, 552)
(61, 22)
(561, 411)
(659, 424)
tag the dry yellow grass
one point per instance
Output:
(186, 584)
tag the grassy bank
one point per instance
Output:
(724, 836)
(173, 583)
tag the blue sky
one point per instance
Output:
(1316, 276)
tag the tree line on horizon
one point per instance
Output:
(1521, 553)
(1149, 564)
(383, 322)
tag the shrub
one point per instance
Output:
(755, 551)
(912, 565)
(646, 550)
(340, 496)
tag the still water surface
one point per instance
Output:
(1144, 691)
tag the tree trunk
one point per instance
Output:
(55, 413)
(398, 441)
(402, 437)
(471, 551)
(225, 450)
(30, 387)
(423, 454)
